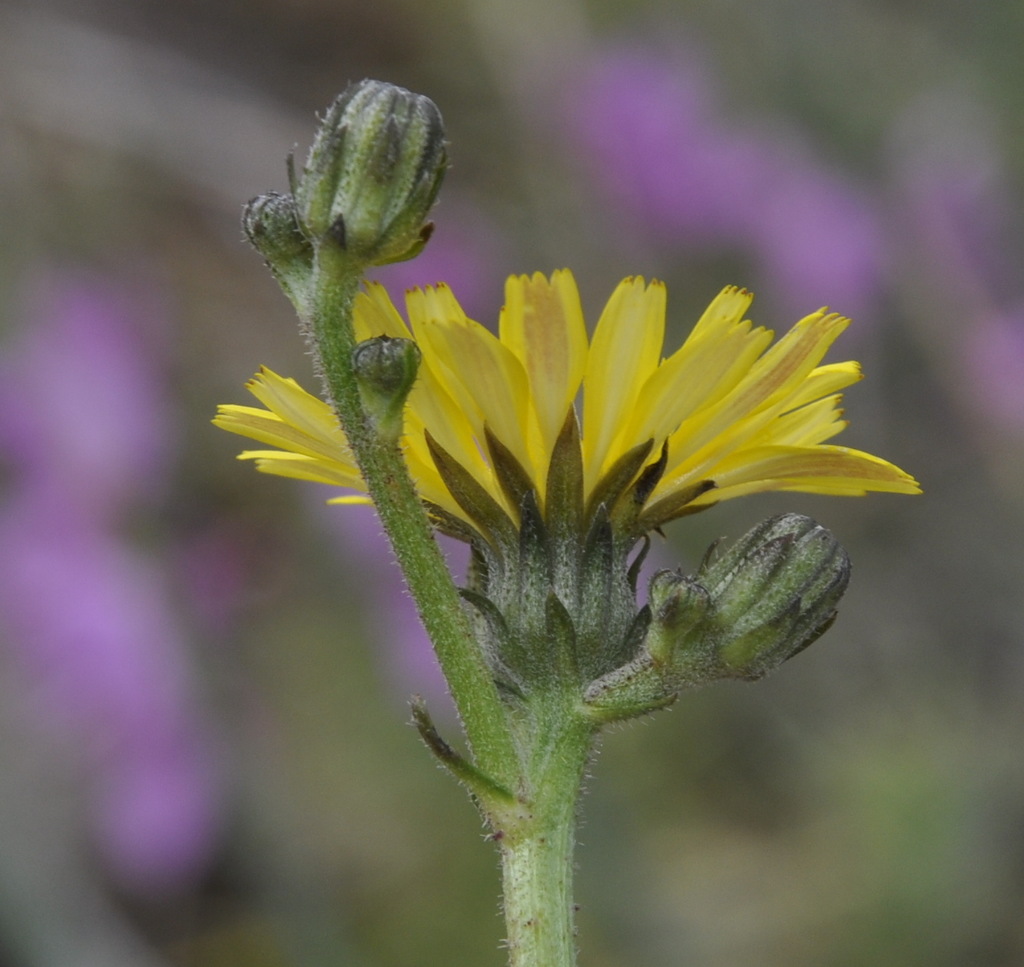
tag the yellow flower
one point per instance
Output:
(726, 414)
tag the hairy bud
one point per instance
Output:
(373, 172)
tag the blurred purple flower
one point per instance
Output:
(647, 130)
(817, 239)
(954, 220)
(952, 186)
(105, 663)
(215, 568)
(81, 395)
(995, 363)
(87, 435)
(653, 137)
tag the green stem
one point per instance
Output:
(405, 521)
(537, 848)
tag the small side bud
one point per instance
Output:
(373, 173)
(773, 594)
(385, 370)
(271, 225)
(678, 604)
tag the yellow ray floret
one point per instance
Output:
(728, 413)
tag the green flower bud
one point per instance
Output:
(271, 225)
(373, 173)
(385, 371)
(773, 594)
(677, 605)
(766, 599)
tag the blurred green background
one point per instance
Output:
(204, 745)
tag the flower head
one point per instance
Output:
(493, 420)
(373, 173)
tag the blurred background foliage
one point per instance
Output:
(203, 673)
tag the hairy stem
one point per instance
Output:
(405, 521)
(537, 849)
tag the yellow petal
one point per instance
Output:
(823, 381)
(727, 307)
(695, 377)
(432, 406)
(808, 425)
(485, 380)
(303, 467)
(819, 469)
(720, 428)
(270, 428)
(542, 324)
(624, 352)
(376, 315)
(285, 398)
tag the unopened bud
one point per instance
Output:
(773, 593)
(677, 604)
(385, 370)
(373, 173)
(271, 225)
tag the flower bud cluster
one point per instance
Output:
(766, 599)
(372, 175)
